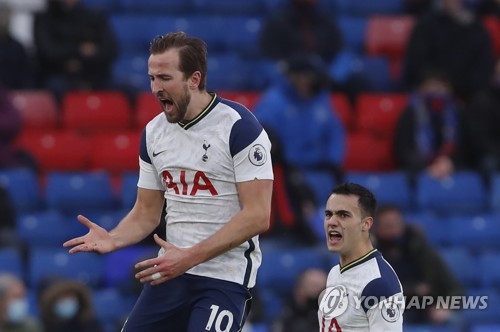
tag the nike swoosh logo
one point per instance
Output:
(155, 154)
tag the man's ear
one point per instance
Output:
(194, 80)
(366, 224)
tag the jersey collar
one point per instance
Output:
(188, 124)
(372, 253)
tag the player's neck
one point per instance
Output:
(356, 253)
(199, 102)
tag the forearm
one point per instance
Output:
(133, 228)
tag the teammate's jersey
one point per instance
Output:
(198, 164)
(365, 295)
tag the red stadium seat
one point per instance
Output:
(38, 109)
(146, 108)
(342, 107)
(492, 24)
(246, 98)
(115, 152)
(60, 150)
(368, 154)
(387, 35)
(378, 113)
(96, 111)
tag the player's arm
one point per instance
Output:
(387, 315)
(135, 226)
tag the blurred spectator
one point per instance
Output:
(298, 111)
(10, 127)
(454, 40)
(483, 114)
(300, 26)
(8, 232)
(75, 48)
(420, 268)
(489, 7)
(431, 133)
(14, 311)
(418, 7)
(15, 67)
(66, 305)
(300, 313)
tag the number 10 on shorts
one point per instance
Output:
(218, 318)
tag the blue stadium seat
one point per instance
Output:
(495, 193)
(461, 193)
(229, 7)
(48, 228)
(388, 187)
(490, 269)
(488, 315)
(436, 228)
(111, 307)
(475, 232)
(47, 262)
(129, 190)
(321, 183)
(369, 7)
(83, 192)
(353, 31)
(462, 264)
(11, 262)
(376, 70)
(119, 265)
(22, 187)
(156, 7)
(280, 267)
(132, 69)
(106, 6)
(485, 328)
(135, 32)
(429, 328)
(272, 303)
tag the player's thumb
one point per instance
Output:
(159, 241)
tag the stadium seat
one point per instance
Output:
(495, 193)
(321, 183)
(11, 262)
(488, 315)
(378, 113)
(492, 24)
(271, 302)
(115, 152)
(478, 327)
(463, 192)
(388, 187)
(342, 106)
(119, 265)
(489, 263)
(135, 31)
(22, 187)
(128, 189)
(281, 266)
(230, 7)
(456, 258)
(45, 262)
(375, 71)
(61, 150)
(96, 111)
(38, 109)
(47, 228)
(156, 7)
(388, 35)
(368, 8)
(146, 108)
(429, 328)
(367, 153)
(436, 229)
(131, 68)
(79, 192)
(353, 31)
(106, 6)
(247, 98)
(475, 232)
(111, 307)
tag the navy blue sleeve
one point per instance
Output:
(381, 288)
(244, 131)
(143, 151)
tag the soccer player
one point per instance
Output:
(363, 292)
(209, 158)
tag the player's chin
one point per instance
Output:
(334, 245)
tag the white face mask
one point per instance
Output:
(67, 308)
(17, 310)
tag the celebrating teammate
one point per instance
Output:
(209, 158)
(363, 292)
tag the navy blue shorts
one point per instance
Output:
(190, 303)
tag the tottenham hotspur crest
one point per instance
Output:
(205, 147)
(257, 155)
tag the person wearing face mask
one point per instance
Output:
(66, 305)
(420, 268)
(14, 309)
(300, 312)
(452, 38)
(431, 134)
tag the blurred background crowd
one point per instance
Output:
(401, 96)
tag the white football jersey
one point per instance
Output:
(198, 164)
(365, 295)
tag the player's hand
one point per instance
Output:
(97, 239)
(171, 264)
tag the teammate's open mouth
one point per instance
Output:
(334, 235)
